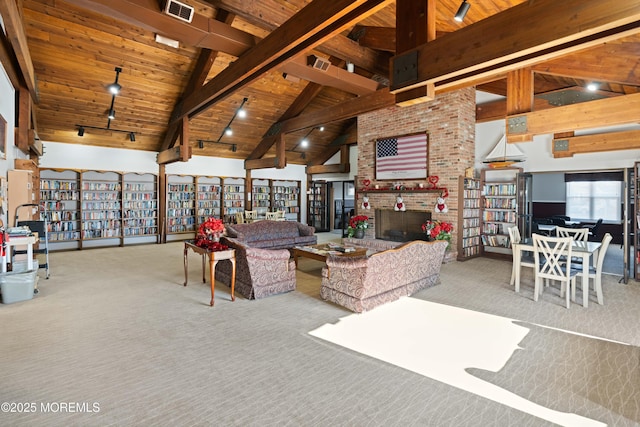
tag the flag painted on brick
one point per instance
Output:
(402, 157)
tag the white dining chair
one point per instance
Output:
(526, 260)
(595, 272)
(549, 254)
(250, 216)
(578, 234)
(239, 218)
(271, 216)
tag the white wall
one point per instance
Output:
(548, 172)
(75, 156)
(539, 156)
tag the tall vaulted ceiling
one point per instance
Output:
(259, 50)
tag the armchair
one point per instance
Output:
(259, 272)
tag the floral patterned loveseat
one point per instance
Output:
(361, 284)
(273, 234)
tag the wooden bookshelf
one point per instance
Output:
(469, 241)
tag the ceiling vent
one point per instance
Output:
(318, 63)
(182, 11)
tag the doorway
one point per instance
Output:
(343, 205)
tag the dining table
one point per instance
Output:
(580, 249)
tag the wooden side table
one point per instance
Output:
(214, 257)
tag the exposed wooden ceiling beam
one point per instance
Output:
(18, 39)
(587, 115)
(314, 24)
(520, 91)
(607, 63)
(380, 38)
(345, 110)
(339, 46)
(201, 32)
(497, 110)
(304, 98)
(333, 168)
(196, 80)
(336, 77)
(519, 36)
(596, 143)
(415, 25)
(9, 61)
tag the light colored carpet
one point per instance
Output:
(117, 328)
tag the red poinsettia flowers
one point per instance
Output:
(209, 234)
(438, 230)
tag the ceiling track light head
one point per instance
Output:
(132, 137)
(114, 88)
(462, 11)
(80, 130)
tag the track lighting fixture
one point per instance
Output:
(239, 112)
(232, 147)
(114, 89)
(83, 128)
(462, 11)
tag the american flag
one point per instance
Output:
(402, 157)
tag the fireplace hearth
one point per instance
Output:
(400, 226)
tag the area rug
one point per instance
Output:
(523, 366)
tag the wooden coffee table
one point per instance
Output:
(322, 251)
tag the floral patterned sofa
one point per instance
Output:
(273, 234)
(361, 284)
(259, 272)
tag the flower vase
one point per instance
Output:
(215, 237)
(430, 239)
(359, 233)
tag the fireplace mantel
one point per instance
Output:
(406, 190)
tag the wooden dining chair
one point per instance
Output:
(281, 216)
(526, 260)
(273, 216)
(595, 272)
(549, 254)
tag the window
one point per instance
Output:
(591, 200)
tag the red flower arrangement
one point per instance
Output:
(208, 235)
(358, 222)
(438, 230)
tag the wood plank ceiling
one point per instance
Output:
(236, 49)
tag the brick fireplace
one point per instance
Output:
(450, 122)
